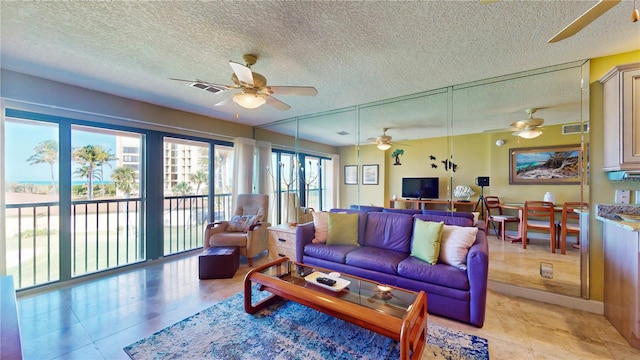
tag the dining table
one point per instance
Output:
(519, 207)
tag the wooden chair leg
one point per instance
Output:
(250, 261)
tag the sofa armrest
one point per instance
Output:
(304, 235)
(257, 238)
(478, 273)
(213, 228)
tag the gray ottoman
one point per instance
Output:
(218, 262)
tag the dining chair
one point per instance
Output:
(539, 215)
(570, 223)
(494, 215)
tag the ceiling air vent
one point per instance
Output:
(208, 87)
(574, 128)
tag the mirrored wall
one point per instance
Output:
(456, 135)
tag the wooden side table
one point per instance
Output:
(282, 242)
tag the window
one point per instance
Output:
(299, 183)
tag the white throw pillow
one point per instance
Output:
(455, 244)
(321, 224)
(476, 216)
(241, 223)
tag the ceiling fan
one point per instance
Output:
(254, 91)
(528, 128)
(383, 142)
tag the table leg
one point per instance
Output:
(248, 306)
(520, 229)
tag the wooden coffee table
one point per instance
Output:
(389, 311)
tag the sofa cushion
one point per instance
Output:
(388, 231)
(343, 229)
(321, 226)
(367, 208)
(402, 211)
(440, 274)
(228, 239)
(449, 218)
(334, 253)
(426, 240)
(372, 258)
(456, 241)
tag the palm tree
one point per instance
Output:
(182, 188)
(46, 152)
(125, 179)
(199, 177)
(103, 156)
(89, 159)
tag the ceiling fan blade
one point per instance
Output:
(292, 90)
(585, 19)
(244, 73)
(226, 99)
(527, 123)
(277, 103)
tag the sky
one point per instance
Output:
(20, 139)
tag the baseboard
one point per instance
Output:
(596, 307)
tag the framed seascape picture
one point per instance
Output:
(369, 174)
(351, 174)
(556, 165)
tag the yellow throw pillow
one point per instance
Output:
(321, 225)
(426, 240)
(343, 229)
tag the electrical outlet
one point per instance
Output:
(546, 270)
(622, 196)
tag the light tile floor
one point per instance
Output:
(95, 319)
(510, 263)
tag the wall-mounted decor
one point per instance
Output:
(351, 174)
(396, 155)
(556, 165)
(369, 174)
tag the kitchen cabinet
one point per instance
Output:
(621, 105)
(621, 280)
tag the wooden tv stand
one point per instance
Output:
(432, 204)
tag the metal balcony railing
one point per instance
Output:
(105, 234)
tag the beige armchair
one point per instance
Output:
(247, 229)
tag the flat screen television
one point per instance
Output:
(420, 188)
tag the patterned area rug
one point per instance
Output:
(288, 330)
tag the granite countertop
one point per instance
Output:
(608, 213)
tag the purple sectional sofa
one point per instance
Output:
(384, 256)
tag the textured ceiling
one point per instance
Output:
(351, 52)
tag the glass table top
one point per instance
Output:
(380, 297)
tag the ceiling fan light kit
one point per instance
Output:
(528, 134)
(248, 100)
(384, 146)
(635, 14)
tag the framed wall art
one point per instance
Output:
(351, 174)
(555, 165)
(369, 174)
